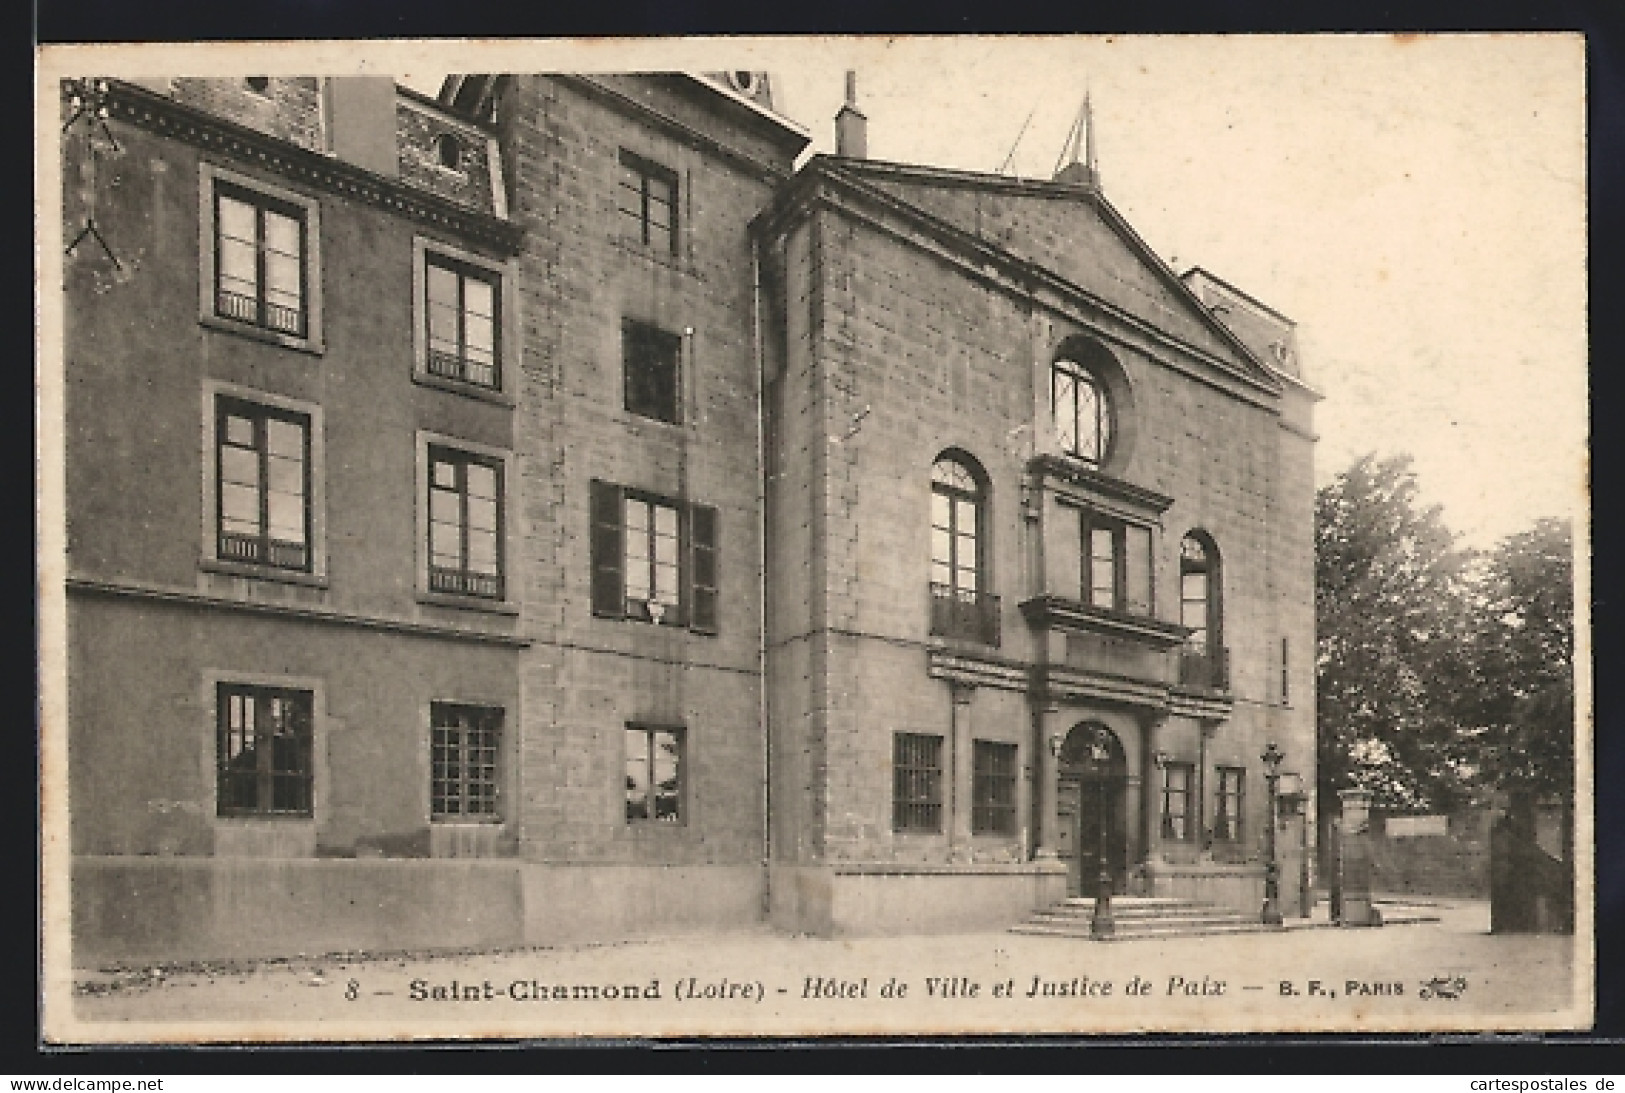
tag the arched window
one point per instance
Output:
(961, 606)
(1083, 416)
(1200, 611)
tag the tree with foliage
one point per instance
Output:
(1393, 610)
(1522, 713)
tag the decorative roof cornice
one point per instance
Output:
(160, 114)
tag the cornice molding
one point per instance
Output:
(185, 597)
(976, 671)
(1052, 468)
(1058, 612)
(1064, 684)
(166, 117)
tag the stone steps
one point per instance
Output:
(1141, 916)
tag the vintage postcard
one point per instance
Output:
(791, 537)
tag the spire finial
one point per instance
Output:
(1081, 139)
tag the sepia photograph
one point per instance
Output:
(826, 537)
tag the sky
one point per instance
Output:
(1415, 204)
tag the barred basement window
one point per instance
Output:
(262, 473)
(465, 742)
(916, 782)
(1176, 801)
(465, 523)
(1227, 804)
(993, 793)
(259, 260)
(654, 775)
(263, 753)
(464, 321)
(648, 201)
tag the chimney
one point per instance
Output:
(851, 126)
(361, 126)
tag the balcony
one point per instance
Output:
(965, 615)
(1205, 669)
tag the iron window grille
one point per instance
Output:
(1083, 419)
(654, 775)
(465, 746)
(652, 361)
(960, 608)
(1228, 803)
(465, 524)
(262, 475)
(647, 199)
(993, 790)
(464, 322)
(1176, 801)
(259, 260)
(916, 782)
(263, 752)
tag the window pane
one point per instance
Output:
(239, 466)
(666, 550)
(1088, 441)
(965, 516)
(637, 515)
(284, 438)
(442, 286)
(482, 480)
(479, 333)
(281, 234)
(482, 552)
(665, 590)
(1066, 409)
(445, 546)
(287, 517)
(479, 298)
(482, 514)
(444, 507)
(239, 510)
(443, 327)
(941, 573)
(1137, 563)
(236, 220)
(940, 546)
(236, 272)
(941, 510)
(667, 757)
(286, 476)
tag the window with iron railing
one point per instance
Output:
(259, 260)
(465, 524)
(916, 782)
(463, 306)
(960, 605)
(262, 475)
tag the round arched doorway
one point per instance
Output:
(1092, 829)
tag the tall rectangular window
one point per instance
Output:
(654, 775)
(465, 523)
(262, 476)
(1286, 678)
(464, 749)
(1177, 779)
(1227, 804)
(259, 260)
(993, 790)
(463, 304)
(916, 782)
(653, 559)
(263, 751)
(648, 202)
(651, 364)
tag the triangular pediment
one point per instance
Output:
(1069, 230)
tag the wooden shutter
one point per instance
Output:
(608, 551)
(702, 535)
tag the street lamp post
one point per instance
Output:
(1272, 758)
(1102, 924)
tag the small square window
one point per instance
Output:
(465, 753)
(654, 775)
(651, 362)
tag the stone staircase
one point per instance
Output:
(1142, 916)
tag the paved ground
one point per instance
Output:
(1443, 975)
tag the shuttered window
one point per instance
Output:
(654, 559)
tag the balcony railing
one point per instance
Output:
(1208, 669)
(960, 613)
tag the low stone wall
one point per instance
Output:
(1454, 864)
(177, 908)
(863, 899)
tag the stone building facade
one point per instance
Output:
(547, 512)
